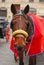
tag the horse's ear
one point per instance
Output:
(13, 10)
(26, 9)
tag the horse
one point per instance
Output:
(23, 28)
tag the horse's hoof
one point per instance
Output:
(21, 63)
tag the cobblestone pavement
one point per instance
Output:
(7, 58)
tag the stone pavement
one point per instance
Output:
(7, 58)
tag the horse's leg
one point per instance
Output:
(21, 58)
(32, 60)
(16, 57)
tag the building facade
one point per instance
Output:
(37, 4)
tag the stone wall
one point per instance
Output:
(36, 4)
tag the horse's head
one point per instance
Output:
(20, 25)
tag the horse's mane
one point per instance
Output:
(30, 26)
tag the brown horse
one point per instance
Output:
(22, 27)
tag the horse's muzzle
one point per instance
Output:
(20, 49)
